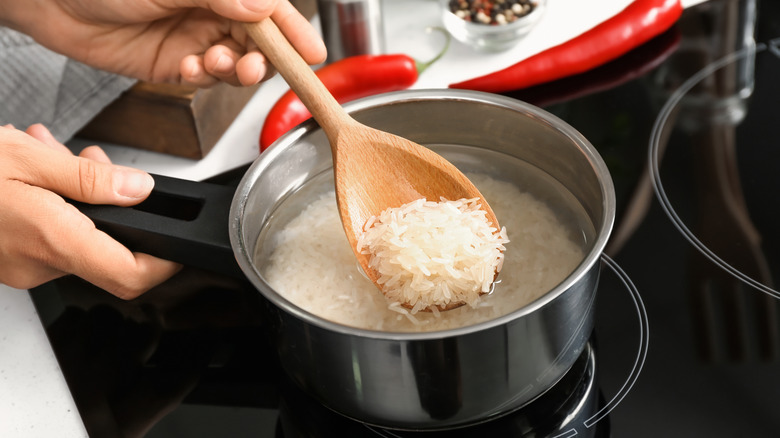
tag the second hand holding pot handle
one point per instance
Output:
(182, 221)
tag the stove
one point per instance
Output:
(687, 335)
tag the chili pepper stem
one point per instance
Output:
(421, 66)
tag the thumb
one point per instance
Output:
(97, 182)
(82, 179)
(101, 183)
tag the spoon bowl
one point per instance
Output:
(374, 170)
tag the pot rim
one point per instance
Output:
(406, 96)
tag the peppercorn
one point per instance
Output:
(493, 12)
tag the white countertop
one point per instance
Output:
(34, 398)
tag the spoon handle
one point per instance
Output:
(288, 62)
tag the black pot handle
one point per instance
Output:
(181, 220)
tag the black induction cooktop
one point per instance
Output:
(687, 336)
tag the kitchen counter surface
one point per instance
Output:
(34, 398)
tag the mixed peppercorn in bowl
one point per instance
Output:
(491, 25)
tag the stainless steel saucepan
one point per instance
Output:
(416, 381)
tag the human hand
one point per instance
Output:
(197, 42)
(42, 237)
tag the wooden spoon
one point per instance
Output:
(373, 170)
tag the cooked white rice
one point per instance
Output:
(314, 267)
(432, 254)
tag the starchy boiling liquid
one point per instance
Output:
(305, 256)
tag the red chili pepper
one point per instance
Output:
(633, 65)
(636, 24)
(347, 79)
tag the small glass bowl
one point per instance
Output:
(490, 37)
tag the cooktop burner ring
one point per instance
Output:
(657, 138)
(644, 342)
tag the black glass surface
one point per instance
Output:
(687, 337)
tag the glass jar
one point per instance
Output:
(495, 30)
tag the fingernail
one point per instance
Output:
(192, 68)
(132, 184)
(254, 5)
(224, 65)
